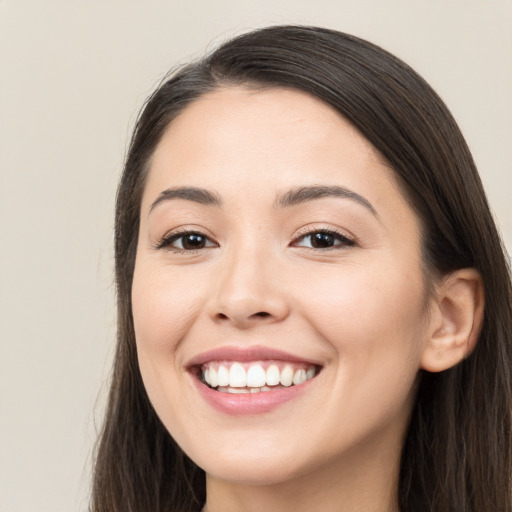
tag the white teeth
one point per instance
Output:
(256, 376)
(238, 390)
(222, 376)
(234, 378)
(213, 378)
(273, 375)
(237, 376)
(299, 377)
(287, 376)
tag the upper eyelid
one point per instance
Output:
(184, 230)
(309, 230)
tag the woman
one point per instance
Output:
(304, 253)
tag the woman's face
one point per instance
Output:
(278, 260)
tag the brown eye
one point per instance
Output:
(323, 240)
(193, 241)
(190, 241)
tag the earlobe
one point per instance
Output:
(456, 320)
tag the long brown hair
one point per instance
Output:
(457, 452)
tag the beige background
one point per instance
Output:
(72, 77)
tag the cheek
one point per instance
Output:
(375, 325)
(164, 309)
(164, 306)
(374, 317)
(163, 312)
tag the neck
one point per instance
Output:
(339, 486)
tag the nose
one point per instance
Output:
(249, 292)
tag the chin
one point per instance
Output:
(258, 471)
(256, 460)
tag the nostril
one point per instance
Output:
(262, 314)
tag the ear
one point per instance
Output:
(456, 320)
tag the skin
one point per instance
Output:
(360, 309)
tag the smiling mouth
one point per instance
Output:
(254, 377)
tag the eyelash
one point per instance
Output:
(343, 240)
(167, 240)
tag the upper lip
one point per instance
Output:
(246, 354)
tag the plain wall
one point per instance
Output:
(72, 77)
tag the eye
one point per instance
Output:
(185, 241)
(323, 239)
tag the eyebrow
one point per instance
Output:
(293, 197)
(196, 194)
(301, 195)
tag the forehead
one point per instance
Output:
(280, 133)
(233, 114)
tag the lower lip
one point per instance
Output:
(244, 404)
